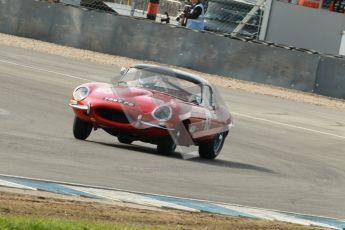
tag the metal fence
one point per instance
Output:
(235, 17)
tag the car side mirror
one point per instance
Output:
(123, 70)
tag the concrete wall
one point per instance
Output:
(330, 79)
(305, 27)
(147, 40)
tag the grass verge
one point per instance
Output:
(36, 223)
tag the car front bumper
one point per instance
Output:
(138, 123)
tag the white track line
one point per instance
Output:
(130, 198)
(274, 215)
(288, 125)
(238, 114)
(44, 70)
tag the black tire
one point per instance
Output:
(166, 147)
(212, 149)
(125, 139)
(81, 129)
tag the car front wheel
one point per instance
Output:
(166, 147)
(211, 150)
(81, 129)
(125, 139)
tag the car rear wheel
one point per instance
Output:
(81, 129)
(166, 147)
(125, 139)
(211, 150)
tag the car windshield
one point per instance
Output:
(164, 83)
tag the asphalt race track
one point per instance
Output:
(280, 155)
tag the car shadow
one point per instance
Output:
(196, 160)
(138, 148)
(232, 164)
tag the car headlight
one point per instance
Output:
(81, 93)
(162, 113)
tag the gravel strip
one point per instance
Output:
(216, 80)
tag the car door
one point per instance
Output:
(204, 119)
(203, 115)
(212, 124)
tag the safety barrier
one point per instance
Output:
(330, 78)
(207, 52)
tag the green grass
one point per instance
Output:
(36, 223)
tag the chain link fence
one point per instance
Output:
(235, 17)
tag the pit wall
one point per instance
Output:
(146, 40)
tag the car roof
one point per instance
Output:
(173, 72)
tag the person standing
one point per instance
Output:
(195, 17)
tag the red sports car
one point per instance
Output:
(154, 104)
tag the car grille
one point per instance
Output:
(112, 115)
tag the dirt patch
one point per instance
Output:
(216, 80)
(20, 202)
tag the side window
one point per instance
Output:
(207, 96)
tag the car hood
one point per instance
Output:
(141, 99)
